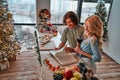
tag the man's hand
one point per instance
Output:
(69, 49)
(56, 48)
(61, 45)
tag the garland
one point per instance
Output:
(44, 14)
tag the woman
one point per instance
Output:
(89, 49)
(73, 30)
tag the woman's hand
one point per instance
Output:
(78, 49)
(69, 49)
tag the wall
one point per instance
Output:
(112, 46)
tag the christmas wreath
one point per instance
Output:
(44, 14)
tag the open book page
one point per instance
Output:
(63, 58)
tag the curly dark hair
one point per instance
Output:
(72, 16)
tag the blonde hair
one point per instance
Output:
(97, 28)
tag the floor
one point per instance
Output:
(26, 67)
(108, 69)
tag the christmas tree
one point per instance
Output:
(9, 47)
(102, 13)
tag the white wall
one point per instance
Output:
(112, 46)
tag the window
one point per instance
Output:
(58, 9)
(23, 10)
(89, 8)
(84, 9)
